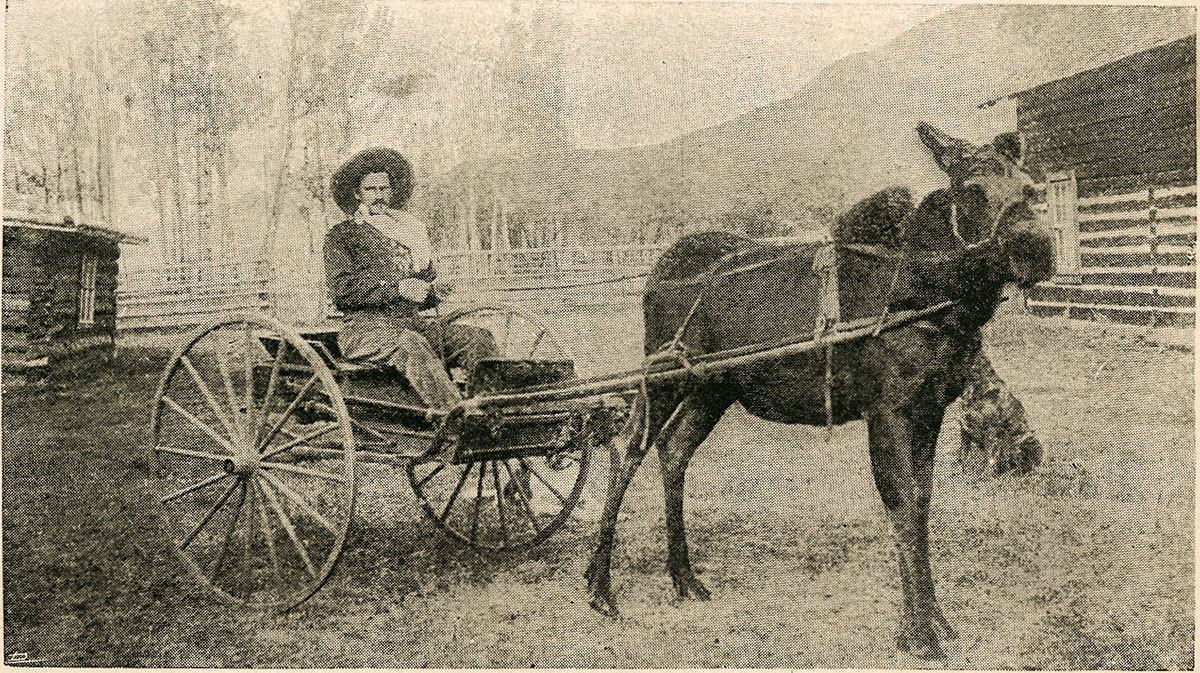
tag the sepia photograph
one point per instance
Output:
(598, 334)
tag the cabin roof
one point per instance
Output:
(65, 223)
(1113, 56)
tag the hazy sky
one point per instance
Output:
(640, 72)
(683, 66)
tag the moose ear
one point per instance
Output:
(935, 140)
(946, 149)
(1010, 145)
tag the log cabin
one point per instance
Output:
(1115, 147)
(59, 289)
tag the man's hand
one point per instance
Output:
(442, 289)
(414, 290)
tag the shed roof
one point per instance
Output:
(65, 223)
(1108, 57)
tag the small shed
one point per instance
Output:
(59, 288)
(1116, 149)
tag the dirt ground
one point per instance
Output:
(1087, 563)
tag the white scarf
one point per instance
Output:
(403, 229)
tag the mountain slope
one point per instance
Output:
(849, 131)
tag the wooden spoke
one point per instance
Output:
(250, 532)
(237, 513)
(227, 378)
(248, 372)
(562, 498)
(454, 496)
(208, 517)
(194, 487)
(300, 439)
(208, 396)
(288, 412)
(270, 393)
(299, 501)
(303, 470)
(507, 329)
(268, 531)
(499, 502)
(189, 452)
(204, 427)
(525, 504)
(291, 530)
(536, 342)
(433, 473)
(478, 497)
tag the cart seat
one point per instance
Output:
(326, 344)
(495, 375)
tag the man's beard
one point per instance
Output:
(377, 207)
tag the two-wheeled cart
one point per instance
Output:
(259, 432)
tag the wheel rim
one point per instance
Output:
(255, 463)
(519, 335)
(505, 503)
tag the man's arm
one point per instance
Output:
(350, 285)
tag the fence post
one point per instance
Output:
(1154, 275)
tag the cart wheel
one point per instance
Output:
(502, 504)
(254, 456)
(515, 502)
(519, 335)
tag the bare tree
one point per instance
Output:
(187, 90)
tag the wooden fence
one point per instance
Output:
(189, 295)
(1137, 260)
(543, 280)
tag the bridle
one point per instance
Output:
(1007, 205)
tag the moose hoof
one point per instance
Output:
(605, 606)
(687, 585)
(920, 646)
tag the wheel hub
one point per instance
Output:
(243, 464)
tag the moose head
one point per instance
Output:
(989, 203)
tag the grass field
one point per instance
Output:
(1087, 563)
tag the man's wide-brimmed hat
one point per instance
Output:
(345, 180)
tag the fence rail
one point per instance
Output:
(546, 279)
(1138, 258)
(189, 295)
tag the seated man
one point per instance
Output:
(379, 270)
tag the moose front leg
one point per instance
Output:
(902, 448)
(621, 472)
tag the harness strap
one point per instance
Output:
(995, 225)
(828, 316)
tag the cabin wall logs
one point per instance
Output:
(1121, 127)
(1127, 132)
(42, 290)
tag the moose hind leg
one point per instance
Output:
(902, 464)
(694, 419)
(621, 472)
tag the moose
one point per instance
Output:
(962, 244)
